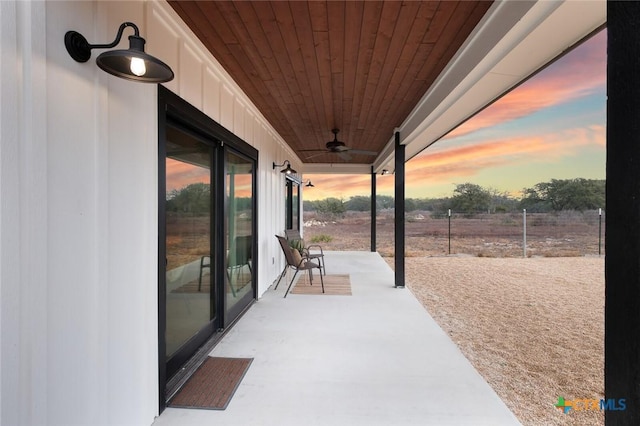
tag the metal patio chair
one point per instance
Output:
(303, 264)
(294, 234)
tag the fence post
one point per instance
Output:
(449, 231)
(599, 231)
(524, 233)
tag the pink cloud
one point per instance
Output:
(578, 74)
(451, 163)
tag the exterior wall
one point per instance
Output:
(78, 216)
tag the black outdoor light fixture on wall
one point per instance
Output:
(288, 170)
(131, 64)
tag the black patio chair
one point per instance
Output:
(294, 234)
(302, 264)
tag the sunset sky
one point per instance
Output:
(552, 126)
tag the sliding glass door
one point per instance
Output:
(206, 236)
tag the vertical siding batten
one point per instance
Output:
(10, 223)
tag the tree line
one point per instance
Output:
(195, 200)
(556, 195)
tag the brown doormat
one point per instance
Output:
(213, 384)
(333, 285)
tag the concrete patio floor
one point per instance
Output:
(373, 358)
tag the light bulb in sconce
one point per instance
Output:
(137, 67)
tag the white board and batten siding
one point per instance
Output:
(78, 218)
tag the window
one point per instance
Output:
(292, 203)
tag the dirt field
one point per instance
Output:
(533, 327)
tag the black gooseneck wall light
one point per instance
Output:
(287, 170)
(130, 64)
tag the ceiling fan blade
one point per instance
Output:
(344, 155)
(312, 150)
(362, 152)
(315, 155)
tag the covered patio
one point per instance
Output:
(83, 189)
(373, 358)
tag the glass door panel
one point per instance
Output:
(190, 303)
(238, 233)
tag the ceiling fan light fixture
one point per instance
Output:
(338, 147)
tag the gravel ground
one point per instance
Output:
(534, 328)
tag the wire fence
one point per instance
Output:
(565, 233)
(523, 234)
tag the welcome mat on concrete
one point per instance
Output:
(213, 384)
(333, 285)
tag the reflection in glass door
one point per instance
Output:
(238, 233)
(190, 307)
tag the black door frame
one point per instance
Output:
(175, 110)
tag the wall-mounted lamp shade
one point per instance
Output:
(288, 170)
(130, 64)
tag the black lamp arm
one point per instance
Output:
(118, 36)
(286, 162)
(80, 49)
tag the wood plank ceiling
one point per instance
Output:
(358, 66)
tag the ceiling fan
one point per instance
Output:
(338, 147)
